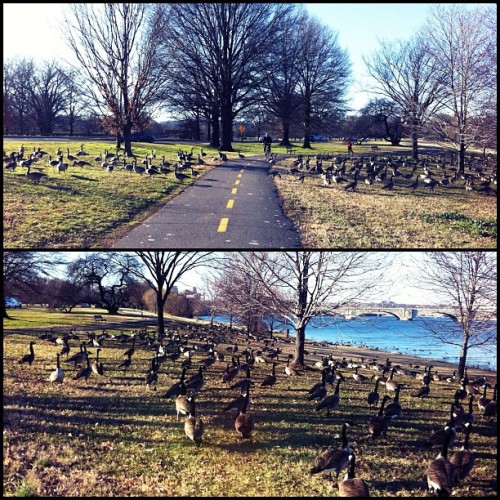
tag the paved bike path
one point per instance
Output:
(235, 205)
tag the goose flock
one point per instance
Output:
(190, 365)
(392, 172)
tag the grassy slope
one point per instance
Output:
(114, 437)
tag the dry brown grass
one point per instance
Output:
(114, 437)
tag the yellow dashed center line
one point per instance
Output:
(230, 204)
(236, 183)
(223, 225)
(234, 191)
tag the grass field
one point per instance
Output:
(88, 207)
(371, 217)
(113, 436)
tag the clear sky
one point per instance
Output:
(32, 30)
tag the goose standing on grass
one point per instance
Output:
(438, 436)
(84, 372)
(462, 418)
(463, 459)
(97, 366)
(330, 402)
(441, 472)
(334, 459)
(36, 177)
(490, 411)
(352, 486)
(358, 377)
(378, 424)
(483, 400)
(126, 364)
(373, 396)
(270, 380)
(57, 375)
(423, 392)
(394, 409)
(152, 376)
(183, 403)
(244, 423)
(391, 385)
(319, 392)
(175, 389)
(28, 358)
(194, 426)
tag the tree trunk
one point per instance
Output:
(227, 127)
(461, 157)
(215, 137)
(285, 141)
(414, 139)
(160, 328)
(127, 139)
(462, 361)
(300, 346)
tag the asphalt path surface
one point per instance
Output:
(235, 205)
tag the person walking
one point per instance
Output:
(349, 147)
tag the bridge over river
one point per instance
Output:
(401, 313)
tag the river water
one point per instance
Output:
(389, 334)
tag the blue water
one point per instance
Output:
(392, 335)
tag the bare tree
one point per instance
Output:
(222, 58)
(23, 270)
(107, 274)
(161, 270)
(300, 286)
(118, 52)
(324, 71)
(464, 48)
(465, 283)
(405, 73)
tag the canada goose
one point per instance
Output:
(391, 385)
(462, 418)
(483, 400)
(34, 176)
(187, 362)
(358, 377)
(196, 382)
(378, 424)
(423, 392)
(470, 389)
(28, 358)
(244, 423)
(175, 389)
(290, 370)
(57, 375)
(237, 403)
(244, 383)
(70, 157)
(270, 380)
(441, 472)
(334, 459)
(389, 185)
(240, 155)
(394, 409)
(193, 425)
(330, 402)
(81, 152)
(79, 356)
(352, 185)
(437, 437)
(179, 175)
(97, 366)
(131, 350)
(373, 396)
(452, 378)
(427, 378)
(319, 392)
(490, 409)
(152, 376)
(183, 403)
(231, 372)
(463, 459)
(66, 348)
(126, 364)
(352, 486)
(84, 372)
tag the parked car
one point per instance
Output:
(318, 138)
(12, 303)
(84, 304)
